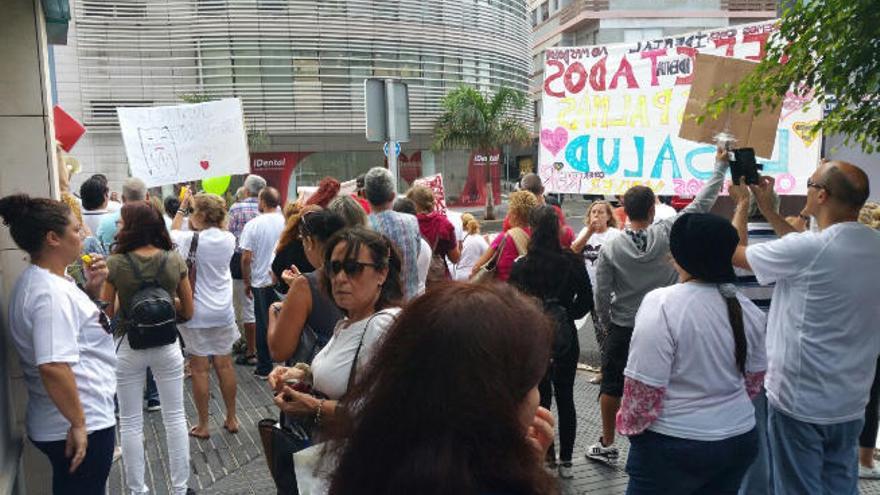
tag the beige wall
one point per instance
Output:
(26, 165)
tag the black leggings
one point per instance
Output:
(559, 381)
(868, 438)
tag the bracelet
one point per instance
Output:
(318, 412)
(184, 211)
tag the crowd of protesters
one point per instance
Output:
(408, 352)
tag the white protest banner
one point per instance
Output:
(611, 116)
(435, 184)
(181, 143)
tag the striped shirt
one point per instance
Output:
(241, 213)
(746, 283)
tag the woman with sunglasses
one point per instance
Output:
(361, 275)
(64, 343)
(144, 252)
(306, 305)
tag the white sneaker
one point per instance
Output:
(565, 470)
(600, 452)
(869, 473)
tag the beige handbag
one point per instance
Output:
(486, 273)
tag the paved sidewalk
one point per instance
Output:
(233, 464)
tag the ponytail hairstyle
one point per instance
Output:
(470, 224)
(703, 245)
(30, 219)
(735, 314)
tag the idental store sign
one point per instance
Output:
(276, 168)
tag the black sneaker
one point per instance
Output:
(262, 376)
(153, 405)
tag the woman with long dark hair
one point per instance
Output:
(306, 304)
(64, 344)
(697, 357)
(559, 279)
(450, 403)
(144, 254)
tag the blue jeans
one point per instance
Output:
(151, 392)
(263, 298)
(811, 458)
(661, 465)
(91, 476)
(758, 479)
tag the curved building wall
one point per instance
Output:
(298, 66)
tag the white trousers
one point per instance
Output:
(166, 363)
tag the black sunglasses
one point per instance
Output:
(351, 267)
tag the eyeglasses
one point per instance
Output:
(351, 267)
(816, 185)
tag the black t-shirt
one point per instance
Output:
(292, 254)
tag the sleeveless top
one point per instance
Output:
(324, 314)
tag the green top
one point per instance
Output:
(122, 276)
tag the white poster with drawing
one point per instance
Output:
(180, 143)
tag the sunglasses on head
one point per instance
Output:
(350, 267)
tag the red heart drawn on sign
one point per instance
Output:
(204, 164)
(554, 140)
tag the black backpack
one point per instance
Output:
(150, 320)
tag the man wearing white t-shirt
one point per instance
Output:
(258, 240)
(822, 338)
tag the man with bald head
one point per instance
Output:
(257, 242)
(822, 336)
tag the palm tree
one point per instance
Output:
(479, 123)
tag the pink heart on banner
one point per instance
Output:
(554, 140)
(204, 164)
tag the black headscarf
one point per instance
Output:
(703, 244)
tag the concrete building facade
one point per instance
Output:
(298, 66)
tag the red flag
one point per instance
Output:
(68, 130)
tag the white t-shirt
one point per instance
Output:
(260, 235)
(93, 218)
(424, 263)
(332, 366)
(683, 341)
(53, 321)
(591, 250)
(213, 291)
(663, 211)
(823, 331)
(454, 218)
(472, 248)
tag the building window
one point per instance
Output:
(534, 17)
(103, 112)
(555, 6)
(120, 9)
(545, 11)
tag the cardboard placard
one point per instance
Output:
(750, 128)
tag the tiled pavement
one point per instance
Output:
(233, 464)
